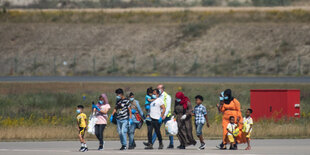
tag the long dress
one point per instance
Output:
(185, 133)
(231, 109)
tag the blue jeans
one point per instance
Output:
(122, 129)
(131, 133)
(170, 137)
(199, 129)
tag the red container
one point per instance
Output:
(275, 103)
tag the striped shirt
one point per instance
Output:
(122, 109)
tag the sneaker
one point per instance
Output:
(202, 146)
(170, 147)
(123, 148)
(181, 147)
(161, 146)
(146, 144)
(131, 147)
(134, 143)
(149, 147)
(100, 148)
(85, 149)
(81, 149)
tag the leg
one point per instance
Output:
(149, 132)
(102, 127)
(154, 138)
(131, 134)
(124, 130)
(156, 126)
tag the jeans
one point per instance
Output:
(131, 133)
(99, 128)
(122, 129)
(154, 124)
(170, 137)
(199, 129)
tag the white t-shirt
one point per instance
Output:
(231, 128)
(247, 122)
(155, 110)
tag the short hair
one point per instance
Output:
(231, 117)
(157, 91)
(251, 111)
(119, 91)
(149, 90)
(131, 94)
(100, 96)
(199, 97)
(80, 106)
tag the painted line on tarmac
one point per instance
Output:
(31, 150)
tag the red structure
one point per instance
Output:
(275, 103)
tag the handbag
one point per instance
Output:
(138, 118)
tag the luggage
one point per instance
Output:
(138, 118)
(171, 127)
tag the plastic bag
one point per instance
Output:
(171, 127)
(91, 124)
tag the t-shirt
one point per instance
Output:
(102, 118)
(231, 128)
(155, 110)
(247, 122)
(81, 118)
(200, 111)
(147, 98)
(122, 109)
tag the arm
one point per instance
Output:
(77, 123)
(206, 117)
(163, 112)
(168, 102)
(130, 113)
(189, 109)
(139, 108)
(114, 111)
(229, 131)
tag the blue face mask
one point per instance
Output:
(221, 98)
(178, 100)
(78, 111)
(154, 96)
(226, 98)
(100, 102)
(118, 98)
(131, 99)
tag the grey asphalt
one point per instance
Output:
(272, 146)
(155, 79)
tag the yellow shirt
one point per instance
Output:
(81, 118)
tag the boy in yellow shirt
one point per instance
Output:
(247, 127)
(82, 125)
(233, 130)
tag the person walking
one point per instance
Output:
(230, 106)
(183, 111)
(101, 108)
(167, 101)
(137, 115)
(123, 116)
(157, 112)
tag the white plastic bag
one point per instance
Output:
(91, 124)
(171, 127)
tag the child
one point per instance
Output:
(82, 124)
(148, 100)
(247, 127)
(201, 117)
(232, 128)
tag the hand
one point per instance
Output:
(95, 107)
(147, 107)
(164, 117)
(130, 121)
(183, 117)
(217, 105)
(111, 118)
(133, 111)
(160, 120)
(208, 125)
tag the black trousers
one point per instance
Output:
(154, 124)
(99, 128)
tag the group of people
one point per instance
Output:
(129, 116)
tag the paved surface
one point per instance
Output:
(283, 146)
(157, 79)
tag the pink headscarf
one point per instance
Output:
(105, 99)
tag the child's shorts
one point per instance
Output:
(231, 138)
(199, 129)
(82, 131)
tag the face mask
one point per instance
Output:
(178, 100)
(221, 98)
(100, 102)
(131, 99)
(226, 98)
(160, 91)
(154, 96)
(78, 111)
(118, 98)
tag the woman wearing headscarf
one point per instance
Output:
(230, 106)
(101, 109)
(183, 112)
